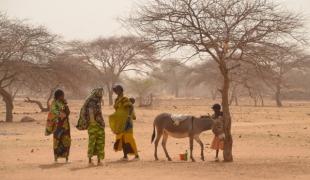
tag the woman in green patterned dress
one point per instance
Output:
(91, 119)
(58, 125)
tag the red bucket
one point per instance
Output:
(183, 157)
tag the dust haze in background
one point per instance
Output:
(88, 19)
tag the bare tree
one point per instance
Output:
(143, 88)
(113, 56)
(206, 73)
(246, 81)
(299, 84)
(220, 29)
(274, 63)
(64, 71)
(22, 47)
(171, 73)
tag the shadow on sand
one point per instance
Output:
(107, 163)
(90, 166)
(52, 166)
(120, 162)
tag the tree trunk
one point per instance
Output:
(236, 101)
(278, 96)
(140, 98)
(214, 94)
(8, 100)
(110, 94)
(233, 96)
(255, 100)
(228, 142)
(176, 91)
(231, 99)
(262, 100)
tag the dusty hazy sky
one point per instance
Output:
(87, 19)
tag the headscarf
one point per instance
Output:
(95, 95)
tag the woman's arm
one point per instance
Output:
(130, 110)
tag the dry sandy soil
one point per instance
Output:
(269, 143)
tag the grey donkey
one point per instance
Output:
(191, 127)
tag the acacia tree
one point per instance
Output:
(246, 81)
(64, 71)
(221, 29)
(274, 63)
(300, 81)
(254, 86)
(22, 47)
(113, 56)
(142, 87)
(171, 73)
(206, 73)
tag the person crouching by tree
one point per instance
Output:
(58, 125)
(218, 142)
(91, 119)
(121, 124)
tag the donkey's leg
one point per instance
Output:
(191, 144)
(198, 140)
(159, 134)
(164, 142)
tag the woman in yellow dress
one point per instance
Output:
(121, 124)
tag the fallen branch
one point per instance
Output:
(43, 109)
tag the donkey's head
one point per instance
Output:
(218, 128)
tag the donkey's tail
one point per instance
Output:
(154, 133)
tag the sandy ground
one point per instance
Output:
(269, 143)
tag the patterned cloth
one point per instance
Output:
(119, 118)
(121, 125)
(91, 119)
(96, 140)
(94, 100)
(60, 128)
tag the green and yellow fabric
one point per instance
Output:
(91, 119)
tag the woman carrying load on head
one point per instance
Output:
(91, 119)
(58, 125)
(121, 124)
